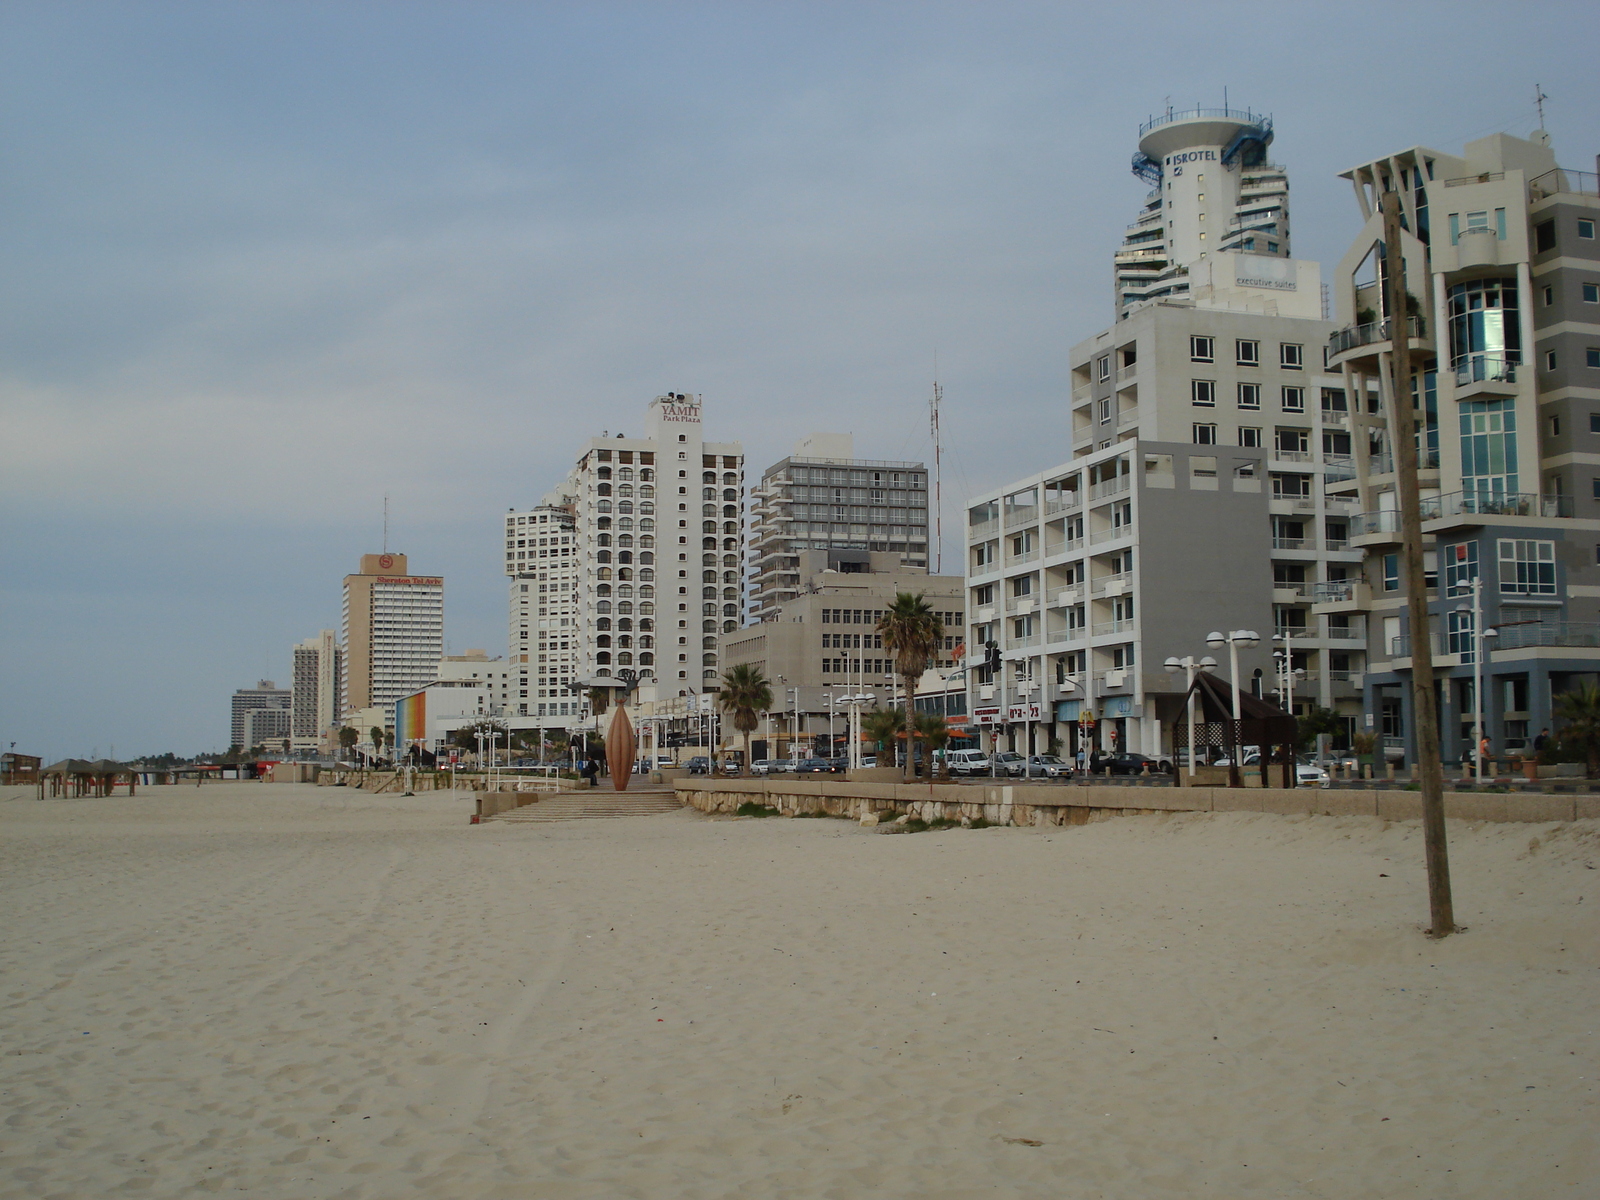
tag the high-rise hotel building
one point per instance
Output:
(1199, 438)
(639, 565)
(1502, 269)
(392, 632)
(315, 690)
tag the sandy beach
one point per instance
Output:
(298, 992)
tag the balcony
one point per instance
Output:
(1292, 543)
(1128, 416)
(1027, 556)
(1584, 634)
(1457, 505)
(1067, 597)
(1341, 595)
(1400, 647)
(1335, 416)
(1111, 584)
(1338, 467)
(1293, 456)
(1018, 517)
(1353, 337)
(1485, 375)
(1107, 628)
(1560, 182)
(983, 530)
(1111, 487)
(1110, 535)
(1021, 605)
(1370, 524)
(1066, 502)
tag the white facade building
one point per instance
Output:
(315, 690)
(542, 563)
(392, 634)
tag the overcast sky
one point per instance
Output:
(262, 264)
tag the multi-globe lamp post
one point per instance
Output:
(1191, 667)
(1233, 639)
(1480, 638)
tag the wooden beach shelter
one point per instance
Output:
(1261, 723)
(78, 777)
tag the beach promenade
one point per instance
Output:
(300, 992)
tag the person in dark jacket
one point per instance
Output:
(591, 771)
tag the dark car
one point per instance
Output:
(699, 765)
(817, 766)
(1134, 763)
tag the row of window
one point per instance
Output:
(1527, 567)
(1591, 358)
(1544, 233)
(1203, 349)
(1203, 394)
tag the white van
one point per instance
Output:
(968, 762)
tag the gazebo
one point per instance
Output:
(77, 777)
(1261, 723)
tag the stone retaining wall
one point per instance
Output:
(1077, 805)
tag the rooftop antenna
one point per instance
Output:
(1538, 99)
(386, 523)
(938, 455)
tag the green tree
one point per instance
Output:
(348, 738)
(746, 694)
(1317, 720)
(466, 736)
(934, 733)
(883, 726)
(913, 631)
(1578, 712)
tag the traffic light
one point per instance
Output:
(991, 656)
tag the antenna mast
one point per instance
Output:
(938, 455)
(386, 524)
(1538, 99)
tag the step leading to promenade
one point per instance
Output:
(591, 804)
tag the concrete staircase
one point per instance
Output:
(587, 804)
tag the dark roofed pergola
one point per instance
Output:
(1261, 723)
(78, 777)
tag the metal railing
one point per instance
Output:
(1463, 180)
(1506, 504)
(1291, 455)
(1337, 467)
(1102, 628)
(1337, 543)
(1563, 182)
(1025, 556)
(1353, 336)
(1110, 535)
(1384, 521)
(1243, 115)
(1485, 368)
(1560, 633)
(1333, 591)
(1400, 647)
(1290, 543)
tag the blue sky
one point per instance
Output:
(265, 263)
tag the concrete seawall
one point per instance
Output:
(1044, 805)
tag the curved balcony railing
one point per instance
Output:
(1243, 115)
(1353, 336)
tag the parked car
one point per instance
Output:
(968, 762)
(1008, 763)
(731, 766)
(868, 760)
(1306, 772)
(1134, 763)
(1043, 766)
(817, 766)
(699, 765)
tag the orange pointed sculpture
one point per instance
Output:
(620, 746)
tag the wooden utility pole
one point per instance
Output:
(1424, 709)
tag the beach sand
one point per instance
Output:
(298, 992)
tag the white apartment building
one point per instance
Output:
(542, 563)
(656, 540)
(1193, 495)
(823, 498)
(1502, 267)
(245, 701)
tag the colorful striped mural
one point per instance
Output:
(410, 719)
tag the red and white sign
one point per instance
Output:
(386, 561)
(986, 716)
(1023, 712)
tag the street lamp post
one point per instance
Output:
(1286, 669)
(1480, 636)
(1248, 638)
(1191, 666)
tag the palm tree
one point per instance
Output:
(935, 734)
(1579, 712)
(883, 726)
(913, 631)
(745, 695)
(348, 738)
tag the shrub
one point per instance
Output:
(751, 809)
